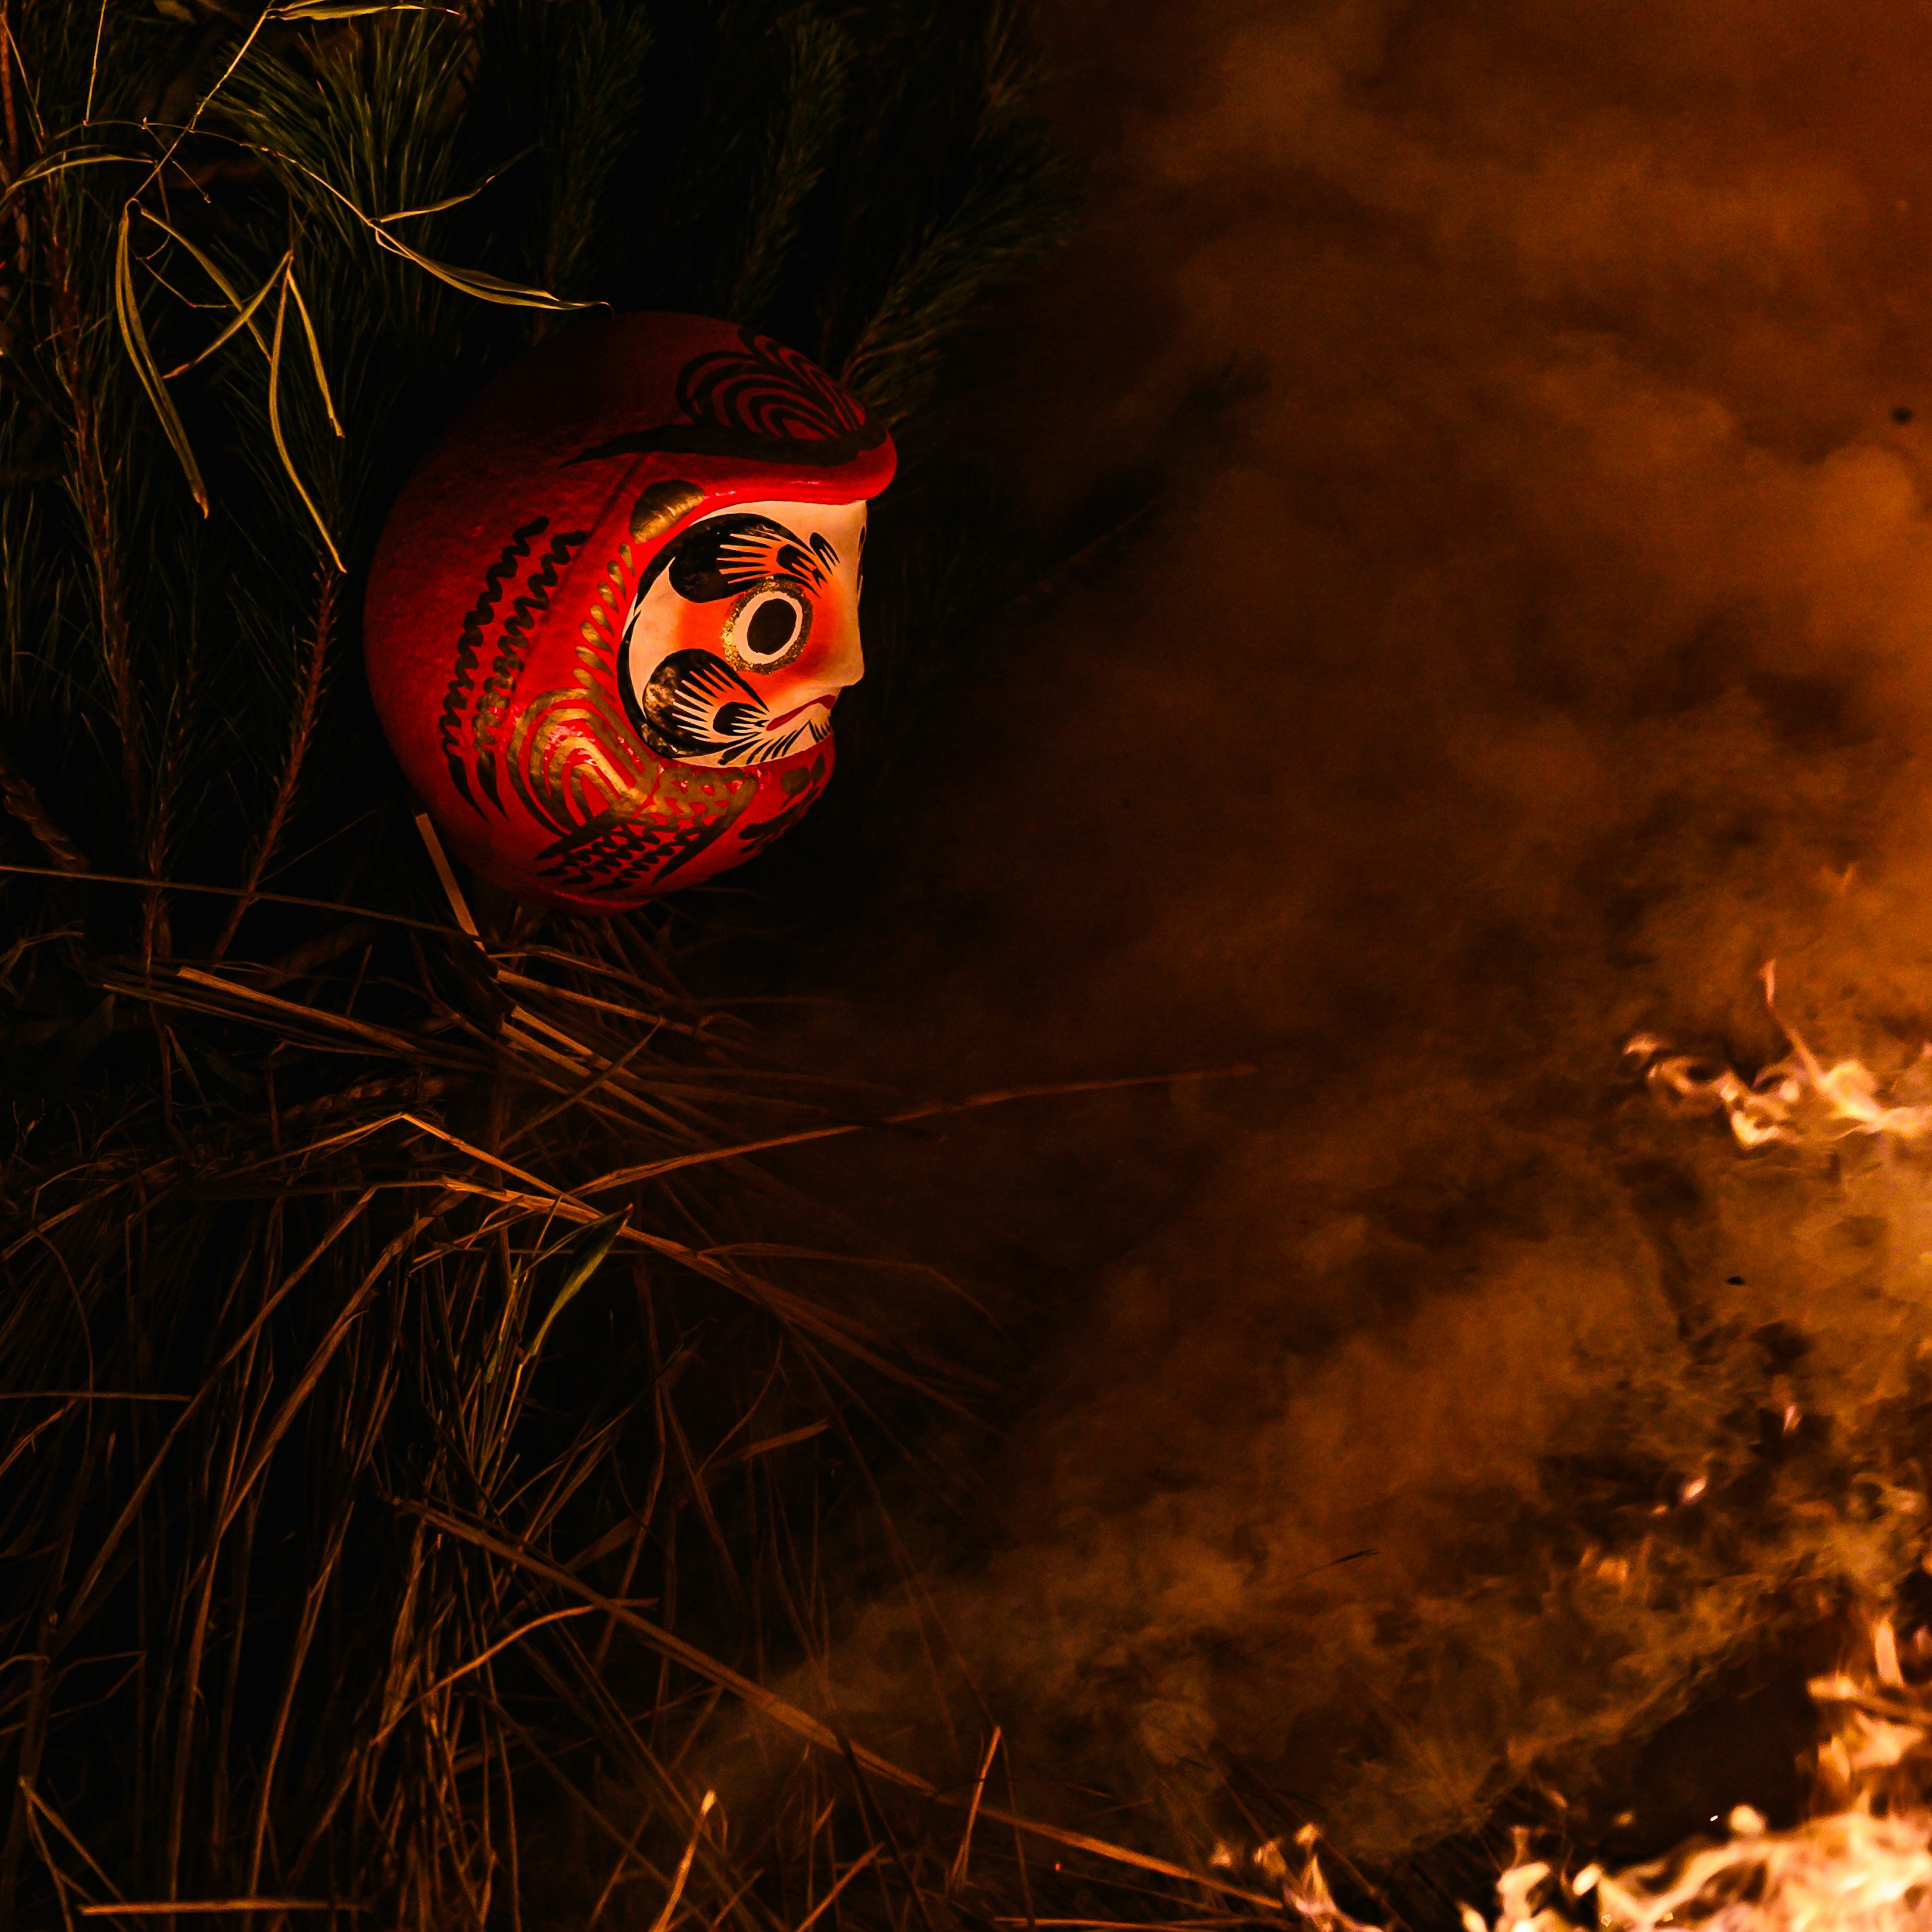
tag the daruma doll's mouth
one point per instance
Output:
(827, 698)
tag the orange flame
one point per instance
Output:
(1794, 1098)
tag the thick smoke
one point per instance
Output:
(1538, 641)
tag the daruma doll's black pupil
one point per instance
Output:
(774, 624)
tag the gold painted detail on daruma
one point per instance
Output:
(623, 815)
(661, 505)
(568, 757)
(742, 617)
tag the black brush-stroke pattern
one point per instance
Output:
(469, 648)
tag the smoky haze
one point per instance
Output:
(1536, 638)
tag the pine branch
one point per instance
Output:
(820, 56)
(307, 706)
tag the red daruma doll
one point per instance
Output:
(610, 614)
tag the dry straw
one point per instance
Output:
(428, 1430)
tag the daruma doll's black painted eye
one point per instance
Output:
(773, 626)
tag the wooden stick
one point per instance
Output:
(451, 891)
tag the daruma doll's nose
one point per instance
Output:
(844, 660)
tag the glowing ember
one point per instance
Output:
(1794, 1099)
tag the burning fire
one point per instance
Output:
(1863, 1861)
(1793, 1099)
(1864, 1864)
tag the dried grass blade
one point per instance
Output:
(1099, 1848)
(611, 1884)
(471, 281)
(103, 1555)
(396, 1043)
(41, 1229)
(305, 1629)
(245, 319)
(560, 1195)
(517, 1636)
(664, 1917)
(227, 891)
(348, 1137)
(134, 339)
(53, 1869)
(768, 1444)
(314, 352)
(245, 311)
(801, 1722)
(164, 1908)
(474, 282)
(86, 1395)
(522, 1019)
(36, 1802)
(956, 1877)
(20, 798)
(24, 1443)
(312, 1372)
(349, 10)
(275, 421)
(50, 165)
(663, 1641)
(925, 1111)
(851, 1872)
(302, 729)
(607, 1072)
(194, 120)
(627, 1177)
(508, 978)
(730, 1905)
(446, 877)
(869, 1804)
(449, 201)
(1053, 1090)
(599, 1239)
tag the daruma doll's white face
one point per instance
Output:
(743, 632)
